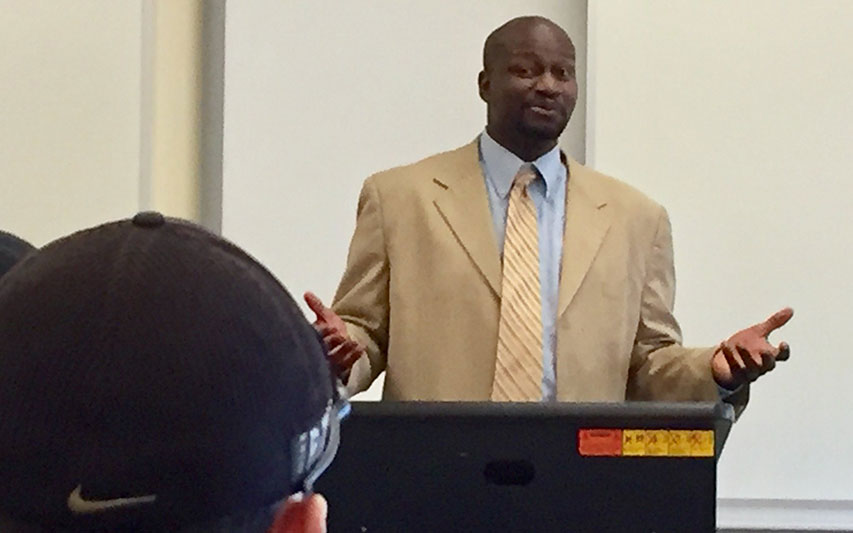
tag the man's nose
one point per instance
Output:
(548, 84)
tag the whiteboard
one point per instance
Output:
(737, 116)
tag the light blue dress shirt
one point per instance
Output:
(549, 195)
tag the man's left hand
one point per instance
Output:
(747, 354)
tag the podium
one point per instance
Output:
(489, 467)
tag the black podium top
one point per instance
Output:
(526, 467)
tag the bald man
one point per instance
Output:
(425, 290)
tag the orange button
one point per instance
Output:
(600, 442)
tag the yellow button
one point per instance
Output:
(634, 442)
(679, 443)
(657, 442)
(702, 443)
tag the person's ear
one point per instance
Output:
(483, 83)
(300, 515)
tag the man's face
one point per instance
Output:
(530, 84)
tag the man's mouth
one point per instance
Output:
(546, 111)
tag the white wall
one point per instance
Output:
(99, 113)
(319, 95)
(70, 113)
(737, 117)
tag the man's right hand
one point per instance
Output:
(343, 351)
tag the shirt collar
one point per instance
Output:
(501, 166)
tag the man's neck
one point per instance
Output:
(527, 149)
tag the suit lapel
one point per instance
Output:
(462, 201)
(587, 222)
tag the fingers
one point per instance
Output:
(316, 304)
(342, 350)
(756, 364)
(784, 352)
(325, 330)
(750, 369)
(768, 361)
(345, 365)
(775, 321)
(300, 515)
(345, 355)
(747, 366)
(334, 339)
(734, 361)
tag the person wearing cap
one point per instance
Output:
(155, 377)
(504, 270)
(12, 250)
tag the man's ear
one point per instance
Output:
(483, 84)
(298, 515)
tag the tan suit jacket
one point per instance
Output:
(422, 286)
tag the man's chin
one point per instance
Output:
(543, 131)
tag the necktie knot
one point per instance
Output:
(525, 176)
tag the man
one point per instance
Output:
(12, 250)
(505, 270)
(154, 377)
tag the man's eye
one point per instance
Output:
(564, 73)
(519, 70)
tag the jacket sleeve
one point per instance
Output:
(661, 368)
(362, 296)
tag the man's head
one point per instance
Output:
(528, 83)
(12, 250)
(154, 377)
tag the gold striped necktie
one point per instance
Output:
(518, 366)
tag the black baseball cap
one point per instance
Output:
(12, 250)
(152, 375)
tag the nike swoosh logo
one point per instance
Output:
(79, 505)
